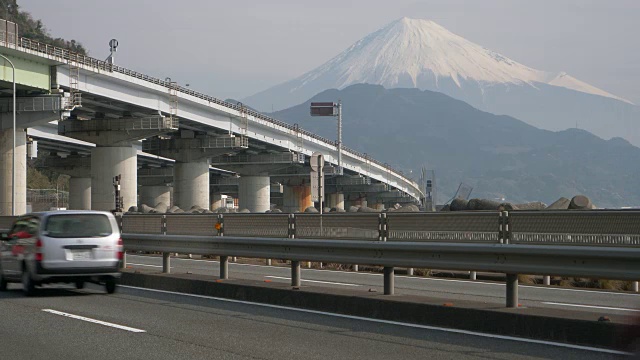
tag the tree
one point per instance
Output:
(34, 29)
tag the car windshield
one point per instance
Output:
(78, 225)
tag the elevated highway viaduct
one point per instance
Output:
(119, 111)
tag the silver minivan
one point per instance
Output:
(61, 246)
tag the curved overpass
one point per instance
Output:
(114, 90)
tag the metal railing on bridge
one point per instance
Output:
(65, 55)
(600, 228)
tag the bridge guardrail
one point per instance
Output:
(446, 226)
(69, 56)
(611, 228)
(605, 228)
(339, 226)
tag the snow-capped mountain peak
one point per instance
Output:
(417, 53)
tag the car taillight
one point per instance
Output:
(39, 256)
(120, 250)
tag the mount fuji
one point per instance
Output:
(414, 53)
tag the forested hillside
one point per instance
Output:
(34, 29)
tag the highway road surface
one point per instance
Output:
(450, 290)
(64, 323)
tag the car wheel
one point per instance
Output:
(79, 285)
(110, 286)
(3, 282)
(28, 286)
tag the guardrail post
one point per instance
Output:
(221, 227)
(123, 263)
(383, 230)
(389, 281)
(355, 268)
(268, 262)
(512, 290)
(292, 226)
(224, 267)
(506, 228)
(634, 286)
(546, 280)
(295, 273)
(409, 271)
(473, 275)
(166, 262)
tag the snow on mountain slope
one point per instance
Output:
(415, 53)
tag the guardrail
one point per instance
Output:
(599, 228)
(72, 57)
(593, 244)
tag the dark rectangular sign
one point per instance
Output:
(322, 111)
(313, 104)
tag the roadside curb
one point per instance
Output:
(498, 321)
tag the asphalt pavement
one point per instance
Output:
(64, 323)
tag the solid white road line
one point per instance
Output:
(77, 317)
(591, 306)
(417, 326)
(158, 266)
(313, 281)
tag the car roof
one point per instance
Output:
(66, 212)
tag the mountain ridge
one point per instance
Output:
(502, 157)
(409, 53)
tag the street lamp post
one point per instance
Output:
(13, 144)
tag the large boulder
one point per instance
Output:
(560, 204)
(353, 209)
(581, 202)
(175, 210)
(458, 204)
(161, 208)
(536, 205)
(366, 209)
(482, 204)
(507, 207)
(146, 209)
(245, 211)
(311, 209)
(408, 208)
(133, 209)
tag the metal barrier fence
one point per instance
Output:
(446, 226)
(610, 228)
(603, 228)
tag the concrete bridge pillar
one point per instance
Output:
(80, 193)
(191, 184)
(153, 195)
(254, 193)
(6, 173)
(335, 200)
(296, 198)
(106, 163)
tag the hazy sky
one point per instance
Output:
(235, 48)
